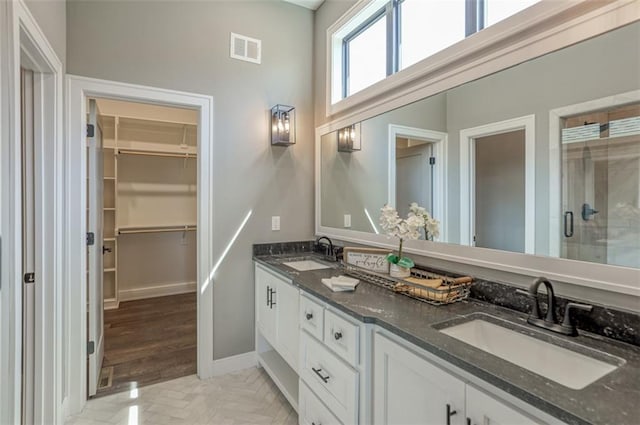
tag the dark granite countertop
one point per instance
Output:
(613, 399)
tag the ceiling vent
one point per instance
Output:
(246, 48)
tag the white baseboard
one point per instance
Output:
(156, 291)
(111, 304)
(233, 364)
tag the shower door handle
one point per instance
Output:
(568, 224)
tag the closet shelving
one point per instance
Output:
(149, 190)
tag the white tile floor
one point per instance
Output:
(246, 397)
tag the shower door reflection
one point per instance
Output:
(601, 187)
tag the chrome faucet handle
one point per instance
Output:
(567, 323)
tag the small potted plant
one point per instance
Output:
(394, 226)
(410, 229)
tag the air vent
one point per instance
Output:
(245, 48)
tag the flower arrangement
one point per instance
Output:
(430, 225)
(407, 229)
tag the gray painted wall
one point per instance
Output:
(51, 16)
(185, 46)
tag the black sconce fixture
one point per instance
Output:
(350, 138)
(283, 125)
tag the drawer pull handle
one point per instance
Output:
(450, 413)
(337, 335)
(309, 316)
(325, 379)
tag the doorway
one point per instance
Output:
(141, 251)
(490, 155)
(80, 90)
(500, 191)
(30, 220)
(417, 171)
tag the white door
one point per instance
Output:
(414, 182)
(483, 409)
(95, 346)
(409, 390)
(29, 206)
(266, 319)
(286, 300)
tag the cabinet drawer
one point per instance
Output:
(341, 336)
(311, 316)
(311, 411)
(335, 383)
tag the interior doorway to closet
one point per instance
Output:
(141, 252)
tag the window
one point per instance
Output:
(387, 36)
(426, 27)
(365, 55)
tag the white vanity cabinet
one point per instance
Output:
(332, 367)
(277, 330)
(409, 389)
(482, 409)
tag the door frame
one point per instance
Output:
(78, 89)
(468, 181)
(555, 157)
(440, 142)
(22, 42)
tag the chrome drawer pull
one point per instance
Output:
(325, 379)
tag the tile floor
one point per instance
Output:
(245, 397)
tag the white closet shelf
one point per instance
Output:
(159, 153)
(125, 230)
(125, 119)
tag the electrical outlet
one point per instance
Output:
(275, 223)
(347, 220)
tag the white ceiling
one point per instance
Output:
(309, 4)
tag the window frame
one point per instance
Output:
(460, 53)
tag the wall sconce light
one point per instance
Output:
(283, 125)
(350, 138)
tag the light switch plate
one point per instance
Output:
(347, 220)
(275, 222)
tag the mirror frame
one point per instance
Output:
(567, 30)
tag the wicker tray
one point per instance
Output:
(449, 291)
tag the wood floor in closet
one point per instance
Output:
(148, 341)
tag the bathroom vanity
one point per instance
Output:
(376, 357)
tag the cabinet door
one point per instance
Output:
(287, 299)
(482, 409)
(266, 315)
(409, 390)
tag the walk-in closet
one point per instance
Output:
(149, 233)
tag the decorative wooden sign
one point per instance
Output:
(368, 258)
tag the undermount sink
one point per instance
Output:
(566, 367)
(306, 265)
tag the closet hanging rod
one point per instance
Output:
(157, 229)
(185, 155)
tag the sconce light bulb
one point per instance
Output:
(352, 134)
(280, 125)
(286, 123)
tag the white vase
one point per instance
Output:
(399, 271)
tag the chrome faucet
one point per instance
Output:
(567, 327)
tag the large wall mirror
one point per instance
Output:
(541, 158)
